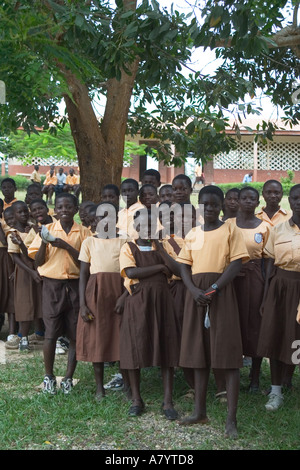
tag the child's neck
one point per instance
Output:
(213, 225)
(271, 210)
(8, 199)
(129, 205)
(66, 226)
(19, 226)
(144, 241)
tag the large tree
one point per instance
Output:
(134, 56)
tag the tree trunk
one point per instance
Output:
(100, 149)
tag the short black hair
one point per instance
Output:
(270, 182)
(294, 188)
(9, 180)
(67, 196)
(233, 190)
(152, 172)
(184, 177)
(211, 189)
(165, 186)
(131, 181)
(18, 203)
(249, 188)
(34, 185)
(148, 185)
(38, 201)
(113, 187)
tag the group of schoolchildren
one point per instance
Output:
(157, 283)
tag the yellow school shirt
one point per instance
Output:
(35, 177)
(170, 250)
(280, 216)
(50, 180)
(71, 180)
(213, 251)
(8, 204)
(125, 219)
(11, 246)
(283, 246)
(103, 255)
(255, 238)
(59, 264)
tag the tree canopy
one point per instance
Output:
(136, 56)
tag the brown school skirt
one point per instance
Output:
(220, 345)
(279, 328)
(149, 333)
(6, 285)
(99, 340)
(249, 289)
(178, 291)
(27, 295)
(60, 307)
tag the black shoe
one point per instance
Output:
(170, 413)
(136, 410)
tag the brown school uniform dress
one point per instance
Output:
(27, 292)
(99, 339)
(149, 330)
(279, 327)
(220, 345)
(173, 245)
(249, 286)
(6, 270)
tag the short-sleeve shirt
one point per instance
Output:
(13, 247)
(8, 204)
(103, 255)
(283, 246)
(50, 180)
(125, 218)
(255, 238)
(280, 216)
(71, 180)
(59, 264)
(35, 177)
(213, 251)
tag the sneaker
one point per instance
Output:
(62, 345)
(35, 339)
(116, 383)
(24, 344)
(49, 385)
(66, 386)
(12, 342)
(275, 401)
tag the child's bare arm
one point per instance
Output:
(34, 274)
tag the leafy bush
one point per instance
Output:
(286, 186)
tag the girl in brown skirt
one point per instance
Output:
(27, 281)
(100, 287)
(249, 283)
(6, 271)
(211, 257)
(280, 328)
(149, 329)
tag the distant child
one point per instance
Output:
(35, 176)
(8, 188)
(272, 212)
(151, 176)
(231, 204)
(49, 184)
(84, 212)
(100, 286)
(27, 281)
(182, 189)
(211, 257)
(149, 330)
(111, 193)
(165, 193)
(58, 265)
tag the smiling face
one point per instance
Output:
(39, 212)
(65, 209)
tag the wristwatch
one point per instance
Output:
(215, 287)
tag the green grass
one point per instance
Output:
(31, 421)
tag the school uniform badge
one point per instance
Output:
(258, 237)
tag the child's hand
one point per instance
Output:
(27, 229)
(200, 298)
(85, 314)
(59, 243)
(119, 307)
(16, 239)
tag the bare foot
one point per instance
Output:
(231, 430)
(194, 420)
(99, 396)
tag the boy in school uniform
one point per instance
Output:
(272, 212)
(58, 265)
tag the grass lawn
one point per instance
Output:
(31, 421)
